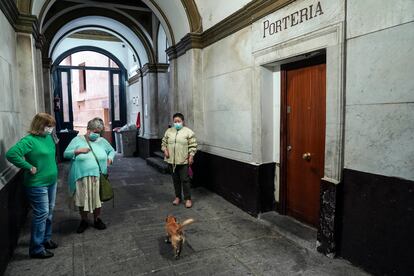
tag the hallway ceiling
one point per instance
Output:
(176, 16)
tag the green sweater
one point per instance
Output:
(84, 164)
(35, 151)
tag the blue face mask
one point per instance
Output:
(178, 126)
(93, 136)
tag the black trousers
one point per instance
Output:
(181, 181)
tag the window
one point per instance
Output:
(82, 79)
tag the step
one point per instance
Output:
(302, 234)
(159, 154)
(158, 164)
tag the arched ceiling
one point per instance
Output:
(69, 16)
(69, 40)
(99, 22)
(178, 17)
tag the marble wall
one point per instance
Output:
(212, 15)
(186, 90)
(30, 79)
(164, 113)
(379, 134)
(134, 102)
(227, 77)
(10, 129)
(21, 89)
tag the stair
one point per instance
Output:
(157, 162)
(159, 154)
(292, 229)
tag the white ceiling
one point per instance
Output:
(105, 23)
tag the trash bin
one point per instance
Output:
(128, 142)
(65, 136)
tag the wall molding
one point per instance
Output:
(9, 8)
(242, 18)
(148, 68)
(22, 23)
(134, 79)
(153, 68)
(188, 42)
(7, 175)
(193, 16)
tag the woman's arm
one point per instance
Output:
(16, 154)
(110, 151)
(71, 148)
(192, 144)
(164, 145)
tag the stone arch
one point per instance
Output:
(99, 50)
(112, 17)
(166, 12)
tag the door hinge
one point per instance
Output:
(289, 109)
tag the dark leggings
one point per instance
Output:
(181, 181)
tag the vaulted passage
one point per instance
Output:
(284, 127)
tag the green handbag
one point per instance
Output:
(106, 192)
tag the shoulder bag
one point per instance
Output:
(106, 192)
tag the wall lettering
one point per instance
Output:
(298, 17)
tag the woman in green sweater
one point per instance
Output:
(84, 172)
(35, 154)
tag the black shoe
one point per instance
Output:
(50, 245)
(43, 255)
(82, 226)
(98, 224)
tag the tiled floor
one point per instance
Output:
(223, 241)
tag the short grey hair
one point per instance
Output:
(96, 123)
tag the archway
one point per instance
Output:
(89, 82)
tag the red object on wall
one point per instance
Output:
(138, 123)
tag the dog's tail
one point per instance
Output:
(186, 222)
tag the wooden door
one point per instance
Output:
(305, 88)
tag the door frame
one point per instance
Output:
(314, 60)
(60, 122)
(56, 69)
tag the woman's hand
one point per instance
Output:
(82, 150)
(166, 153)
(33, 170)
(190, 160)
(108, 162)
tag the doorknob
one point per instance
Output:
(306, 156)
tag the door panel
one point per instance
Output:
(305, 88)
(65, 113)
(118, 107)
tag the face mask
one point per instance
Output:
(93, 136)
(178, 126)
(48, 130)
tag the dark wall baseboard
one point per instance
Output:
(378, 223)
(146, 147)
(13, 213)
(247, 186)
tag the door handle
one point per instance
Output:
(307, 156)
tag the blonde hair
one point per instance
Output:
(40, 121)
(96, 124)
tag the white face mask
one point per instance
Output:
(48, 130)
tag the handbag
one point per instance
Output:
(106, 192)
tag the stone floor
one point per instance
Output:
(223, 241)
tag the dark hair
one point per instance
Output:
(179, 115)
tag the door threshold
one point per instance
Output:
(301, 234)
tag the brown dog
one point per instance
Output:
(175, 233)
